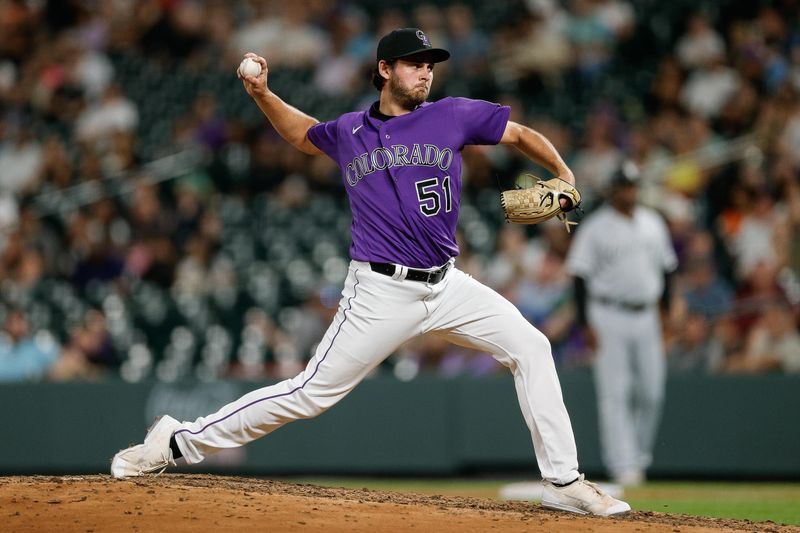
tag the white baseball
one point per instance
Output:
(249, 67)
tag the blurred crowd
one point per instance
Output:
(116, 260)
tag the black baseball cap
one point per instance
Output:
(404, 42)
(626, 175)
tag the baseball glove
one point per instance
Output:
(540, 202)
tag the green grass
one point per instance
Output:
(778, 502)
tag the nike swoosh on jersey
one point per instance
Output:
(357, 128)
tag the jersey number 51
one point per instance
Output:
(430, 199)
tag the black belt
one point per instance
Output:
(627, 306)
(434, 276)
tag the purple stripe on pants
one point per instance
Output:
(349, 306)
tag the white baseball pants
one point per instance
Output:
(629, 375)
(376, 315)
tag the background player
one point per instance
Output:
(401, 166)
(620, 258)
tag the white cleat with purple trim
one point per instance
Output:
(151, 457)
(582, 497)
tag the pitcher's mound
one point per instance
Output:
(173, 503)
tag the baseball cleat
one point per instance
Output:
(582, 497)
(153, 456)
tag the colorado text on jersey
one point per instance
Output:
(397, 155)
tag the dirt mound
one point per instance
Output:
(175, 503)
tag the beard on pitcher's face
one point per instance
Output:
(408, 97)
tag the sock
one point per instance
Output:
(561, 485)
(173, 445)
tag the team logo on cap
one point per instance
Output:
(424, 38)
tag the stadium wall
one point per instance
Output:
(732, 426)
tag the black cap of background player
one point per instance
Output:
(627, 175)
(405, 42)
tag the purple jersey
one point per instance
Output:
(403, 176)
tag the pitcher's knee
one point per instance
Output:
(537, 343)
(530, 346)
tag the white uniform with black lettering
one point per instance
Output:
(623, 260)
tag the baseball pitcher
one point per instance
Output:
(400, 162)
